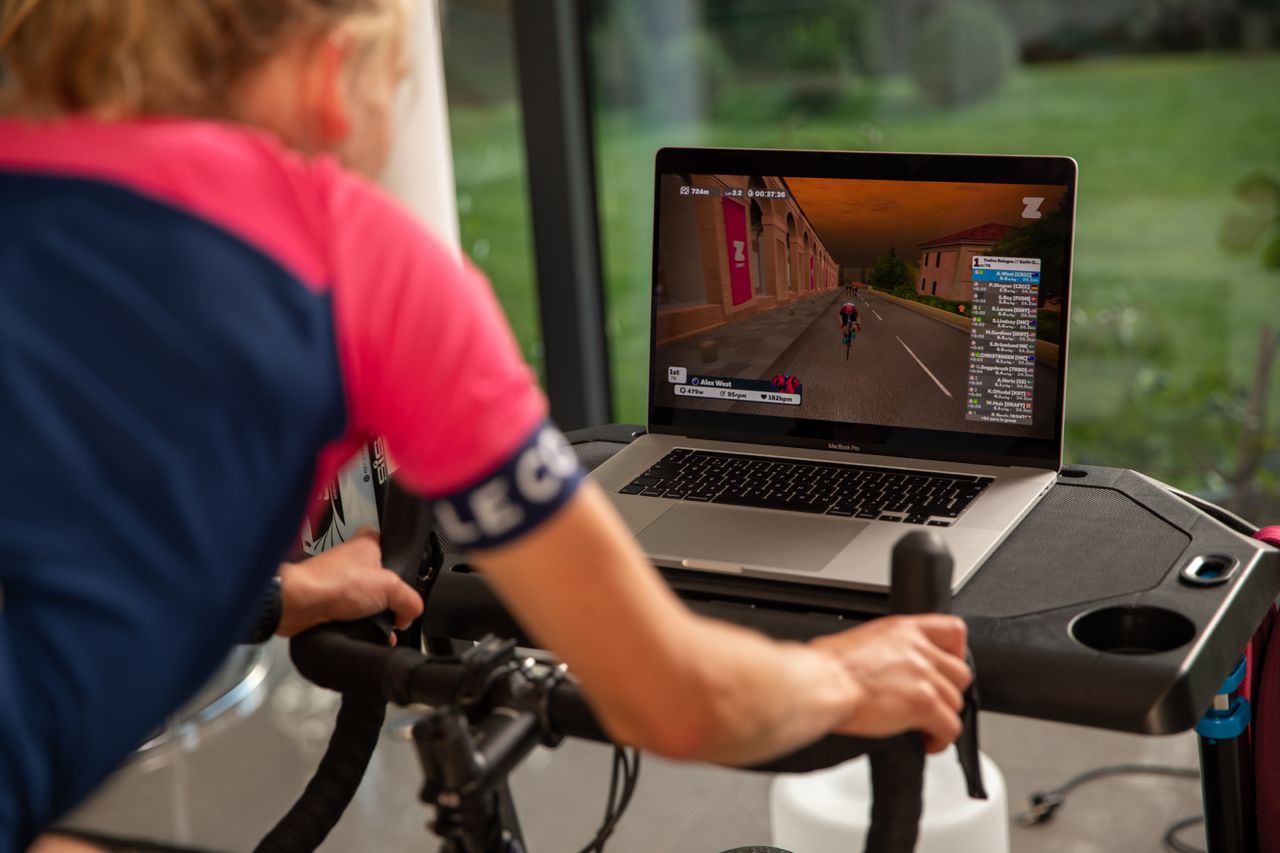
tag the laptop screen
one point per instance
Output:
(905, 304)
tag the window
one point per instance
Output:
(806, 265)
(1170, 284)
(790, 258)
(757, 232)
(489, 159)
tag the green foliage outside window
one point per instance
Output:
(965, 52)
(1161, 103)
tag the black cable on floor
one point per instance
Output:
(1171, 840)
(1041, 805)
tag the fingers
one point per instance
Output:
(365, 547)
(912, 670)
(953, 669)
(944, 677)
(936, 701)
(947, 729)
(946, 632)
(401, 599)
(933, 745)
(944, 689)
(941, 724)
(940, 639)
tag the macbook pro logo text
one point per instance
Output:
(837, 446)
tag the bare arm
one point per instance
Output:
(667, 680)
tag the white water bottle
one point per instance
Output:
(828, 811)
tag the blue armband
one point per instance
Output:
(525, 490)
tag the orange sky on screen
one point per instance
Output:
(859, 220)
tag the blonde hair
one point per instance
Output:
(151, 57)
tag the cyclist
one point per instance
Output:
(206, 311)
(849, 323)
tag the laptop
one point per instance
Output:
(845, 347)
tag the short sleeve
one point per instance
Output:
(428, 358)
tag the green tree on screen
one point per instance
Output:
(893, 275)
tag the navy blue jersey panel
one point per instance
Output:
(165, 389)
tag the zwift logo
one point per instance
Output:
(1032, 207)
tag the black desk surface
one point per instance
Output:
(1081, 616)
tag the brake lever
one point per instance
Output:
(967, 743)
(406, 522)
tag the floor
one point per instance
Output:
(221, 785)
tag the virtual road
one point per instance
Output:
(904, 368)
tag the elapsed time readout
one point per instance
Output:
(735, 192)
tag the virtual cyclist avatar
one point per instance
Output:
(849, 325)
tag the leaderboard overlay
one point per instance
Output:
(1002, 339)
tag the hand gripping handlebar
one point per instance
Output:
(505, 705)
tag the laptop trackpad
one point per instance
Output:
(748, 538)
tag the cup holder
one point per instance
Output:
(1132, 630)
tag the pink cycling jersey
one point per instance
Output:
(197, 327)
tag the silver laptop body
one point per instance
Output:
(780, 445)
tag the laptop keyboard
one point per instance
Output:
(823, 488)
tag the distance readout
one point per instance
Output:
(734, 192)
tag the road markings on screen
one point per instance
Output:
(878, 317)
(922, 367)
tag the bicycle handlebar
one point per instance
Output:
(920, 582)
(349, 658)
(345, 658)
(355, 660)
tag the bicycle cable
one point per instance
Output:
(622, 785)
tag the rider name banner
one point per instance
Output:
(781, 390)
